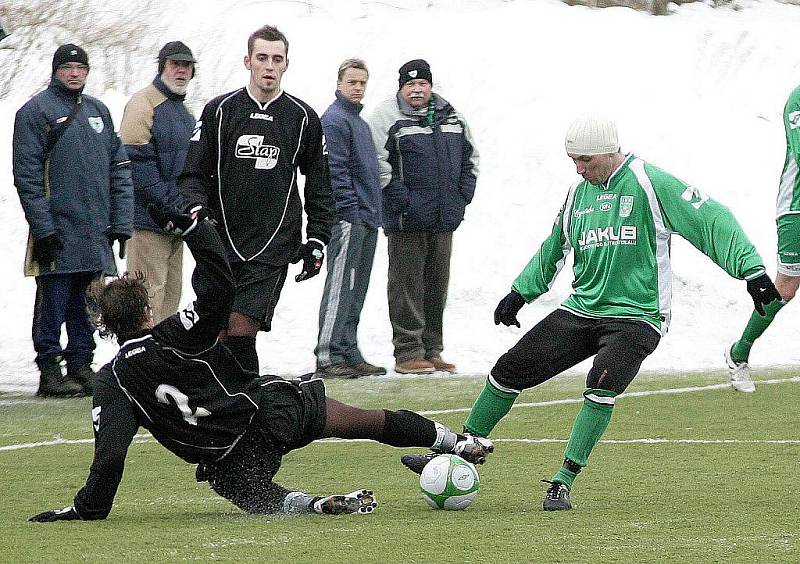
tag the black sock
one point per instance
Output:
(405, 428)
(244, 349)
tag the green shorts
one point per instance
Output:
(789, 244)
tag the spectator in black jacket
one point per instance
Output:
(242, 171)
(176, 380)
(74, 182)
(429, 166)
(155, 129)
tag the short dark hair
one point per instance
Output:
(267, 33)
(352, 64)
(119, 306)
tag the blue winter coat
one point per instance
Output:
(156, 128)
(353, 164)
(428, 172)
(83, 191)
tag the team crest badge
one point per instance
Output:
(97, 124)
(625, 206)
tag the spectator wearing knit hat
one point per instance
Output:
(156, 128)
(73, 179)
(429, 166)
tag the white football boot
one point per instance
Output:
(739, 373)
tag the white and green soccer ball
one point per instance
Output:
(449, 482)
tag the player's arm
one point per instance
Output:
(791, 123)
(706, 224)
(197, 327)
(199, 176)
(539, 274)
(115, 425)
(318, 201)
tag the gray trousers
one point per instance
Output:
(350, 255)
(419, 272)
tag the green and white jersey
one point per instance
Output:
(789, 189)
(620, 235)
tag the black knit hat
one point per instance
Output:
(176, 51)
(412, 70)
(69, 53)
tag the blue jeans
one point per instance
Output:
(61, 299)
(350, 255)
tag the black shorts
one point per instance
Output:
(291, 413)
(258, 288)
(562, 339)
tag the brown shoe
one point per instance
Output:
(338, 371)
(415, 366)
(442, 365)
(368, 369)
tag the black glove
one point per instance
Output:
(311, 254)
(200, 212)
(763, 292)
(66, 514)
(171, 221)
(506, 311)
(46, 249)
(122, 238)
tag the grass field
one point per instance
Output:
(686, 472)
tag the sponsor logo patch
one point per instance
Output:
(625, 206)
(607, 237)
(253, 147)
(694, 196)
(96, 418)
(189, 317)
(794, 119)
(97, 124)
(584, 211)
(601, 197)
(605, 206)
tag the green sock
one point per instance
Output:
(489, 408)
(740, 351)
(589, 426)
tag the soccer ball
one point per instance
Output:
(449, 482)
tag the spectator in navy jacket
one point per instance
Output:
(74, 182)
(156, 128)
(353, 166)
(428, 165)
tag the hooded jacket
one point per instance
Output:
(428, 171)
(82, 190)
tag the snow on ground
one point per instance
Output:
(699, 93)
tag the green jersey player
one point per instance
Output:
(788, 278)
(617, 223)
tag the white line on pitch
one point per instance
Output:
(146, 437)
(645, 393)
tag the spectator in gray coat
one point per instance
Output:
(429, 166)
(356, 185)
(74, 182)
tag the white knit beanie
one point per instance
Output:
(591, 134)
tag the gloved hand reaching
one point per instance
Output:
(311, 254)
(66, 514)
(46, 249)
(506, 311)
(763, 292)
(171, 221)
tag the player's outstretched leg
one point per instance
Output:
(402, 428)
(361, 502)
(469, 447)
